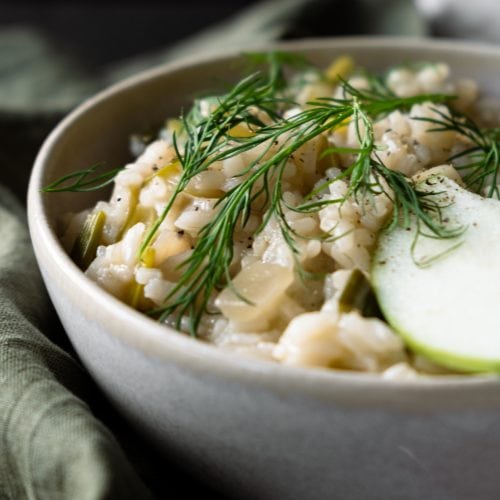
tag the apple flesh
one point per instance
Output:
(443, 295)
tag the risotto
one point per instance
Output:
(251, 222)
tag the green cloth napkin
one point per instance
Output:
(52, 445)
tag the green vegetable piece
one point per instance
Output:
(442, 296)
(85, 246)
(358, 294)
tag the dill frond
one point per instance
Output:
(259, 101)
(480, 165)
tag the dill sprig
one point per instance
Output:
(368, 176)
(207, 269)
(481, 167)
(84, 180)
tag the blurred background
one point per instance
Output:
(99, 32)
(55, 52)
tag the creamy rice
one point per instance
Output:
(285, 317)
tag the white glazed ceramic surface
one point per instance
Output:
(254, 429)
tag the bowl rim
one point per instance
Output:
(150, 338)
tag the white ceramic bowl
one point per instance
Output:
(255, 429)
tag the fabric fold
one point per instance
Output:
(52, 446)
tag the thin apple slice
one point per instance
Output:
(443, 296)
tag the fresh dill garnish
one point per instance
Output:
(277, 60)
(83, 180)
(481, 165)
(207, 269)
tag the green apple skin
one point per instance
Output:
(443, 295)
